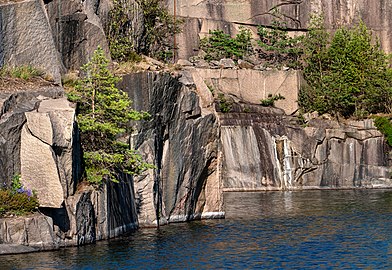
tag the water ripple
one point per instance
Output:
(266, 230)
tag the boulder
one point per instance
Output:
(245, 64)
(13, 106)
(227, 63)
(252, 86)
(47, 159)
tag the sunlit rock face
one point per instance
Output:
(272, 152)
(230, 15)
(26, 38)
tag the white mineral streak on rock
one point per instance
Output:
(278, 166)
(241, 156)
(287, 166)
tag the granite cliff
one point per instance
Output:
(199, 151)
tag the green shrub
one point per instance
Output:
(270, 101)
(225, 105)
(220, 45)
(278, 48)
(104, 115)
(348, 75)
(156, 39)
(17, 200)
(21, 72)
(384, 125)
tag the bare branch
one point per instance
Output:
(274, 8)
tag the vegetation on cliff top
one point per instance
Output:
(143, 27)
(274, 48)
(384, 124)
(220, 45)
(104, 114)
(23, 77)
(346, 74)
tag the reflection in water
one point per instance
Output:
(264, 230)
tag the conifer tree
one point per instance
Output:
(104, 116)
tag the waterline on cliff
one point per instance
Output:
(333, 229)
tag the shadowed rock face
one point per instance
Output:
(77, 29)
(181, 141)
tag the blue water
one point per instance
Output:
(274, 230)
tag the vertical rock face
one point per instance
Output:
(13, 108)
(95, 214)
(230, 15)
(77, 29)
(47, 154)
(281, 155)
(25, 37)
(180, 141)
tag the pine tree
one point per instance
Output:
(104, 115)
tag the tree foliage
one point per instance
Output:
(220, 45)
(157, 27)
(104, 116)
(278, 48)
(347, 75)
(384, 125)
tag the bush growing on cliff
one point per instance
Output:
(270, 100)
(142, 27)
(347, 76)
(17, 200)
(220, 45)
(278, 48)
(104, 115)
(384, 125)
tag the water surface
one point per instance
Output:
(273, 230)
